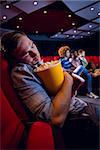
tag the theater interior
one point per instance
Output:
(50, 24)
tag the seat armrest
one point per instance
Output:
(40, 136)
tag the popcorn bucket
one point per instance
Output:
(52, 76)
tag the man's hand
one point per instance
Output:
(68, 79)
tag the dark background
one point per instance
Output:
(49, 47)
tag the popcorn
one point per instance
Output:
(46, 65)
(51, 72)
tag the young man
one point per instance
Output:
(25, 55)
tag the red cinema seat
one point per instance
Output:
(39, 135)
(6, 86)
(47, 58)
(56, 57)
(94, 59)
(11, 126)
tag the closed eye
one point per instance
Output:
(31, 54)
(25, 54)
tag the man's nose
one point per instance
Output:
(32, 54)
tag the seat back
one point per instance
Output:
(9, 91)
(11, 127)
(94, 59)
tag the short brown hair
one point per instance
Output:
(9, 41)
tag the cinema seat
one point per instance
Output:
(6, 86)
(14, 135)
(94, 59)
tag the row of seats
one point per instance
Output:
(94, 59)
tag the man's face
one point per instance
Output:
(27, 51)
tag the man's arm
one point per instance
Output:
(61, 101)
(37, 100)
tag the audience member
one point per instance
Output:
(25, 55)
(81, 55)
(65, 58)
(93, 70)
(75, 61)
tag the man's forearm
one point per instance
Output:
(62, 100)
(61, 103)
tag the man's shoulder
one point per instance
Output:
(21, 67)
(22, 70)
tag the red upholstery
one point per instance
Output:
(40, 137)
(11, 126)
(56, 57)
(40, 133)
(95, 59)
(12, 129)
(47, 58)
(9, 90)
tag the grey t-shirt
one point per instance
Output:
(31, 91)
